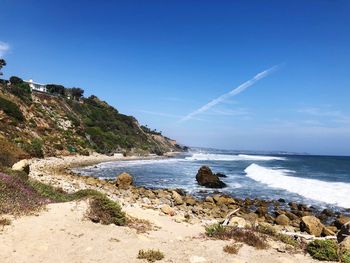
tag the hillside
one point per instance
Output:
(35, 124)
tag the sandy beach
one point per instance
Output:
(61, 233)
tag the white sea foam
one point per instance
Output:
(227, 157)
(328, 192)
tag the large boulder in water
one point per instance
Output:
(311, 225)
(205, 177)
(124, 180)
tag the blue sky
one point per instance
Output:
(162, 60)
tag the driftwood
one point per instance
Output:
(307, 236)
(229, 216)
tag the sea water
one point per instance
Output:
(322, 181)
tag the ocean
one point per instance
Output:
(321, 181)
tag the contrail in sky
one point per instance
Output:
(232, 93)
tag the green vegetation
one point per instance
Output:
(10, 153)
(214, 230)
(150, 255)
(51, 125)
(106, 211)
(35, 148)
(11, 109)
(323, 250)
(243, 235)
(270, 231)
(58, 195)
(344, 256)
(2, 64)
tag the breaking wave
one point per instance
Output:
(227, 157)
(335, 193)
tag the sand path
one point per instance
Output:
(61, 234)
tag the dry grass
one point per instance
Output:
(150, 255)
(232, 249)
(243, 235)
(140, 225)
(4, 222)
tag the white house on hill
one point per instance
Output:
(36, 86)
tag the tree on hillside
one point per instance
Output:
(77, 93)
(2, 64)
(16, 80)
(57, 89)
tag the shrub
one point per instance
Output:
(323, 250)
(140, 225)
(34, 148)
(58, 195)
(5, 222)
(18, 197)
(247, 236)
(232, 249)
(214, 230)
(11, 109)
(16, 80)
(150, 255)
(105, 211)
(10, 153)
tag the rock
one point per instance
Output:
(209, 199)
(341, 220)
(92, 181)
(293, 205)
(190, 201)
(22, 165)
(261, 211)
(166, 209)
(225, 200)
(311, 225)
(251, 217)
(124, 180)
(220, 175)
(238, 222)
(282, 220)
(177, 198)
(327, 212)
(327, 231)
(344, 232)
(149, 194)
(205, 177)
(291, 215)
(345, 244)
(281, 200)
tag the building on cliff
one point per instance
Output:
(36, 86)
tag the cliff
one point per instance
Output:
(42, 124)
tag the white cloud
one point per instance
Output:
(4, 47)
(336, 116)
(230, 94)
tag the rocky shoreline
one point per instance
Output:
(182, 207)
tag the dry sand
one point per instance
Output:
(62, 234)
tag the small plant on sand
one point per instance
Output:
(323, 250)
(270, 231)
(150, 255)
(105, 211)
(214, 230)
(5, 222)
(232, 249)
(140, 225)
(244, 235)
